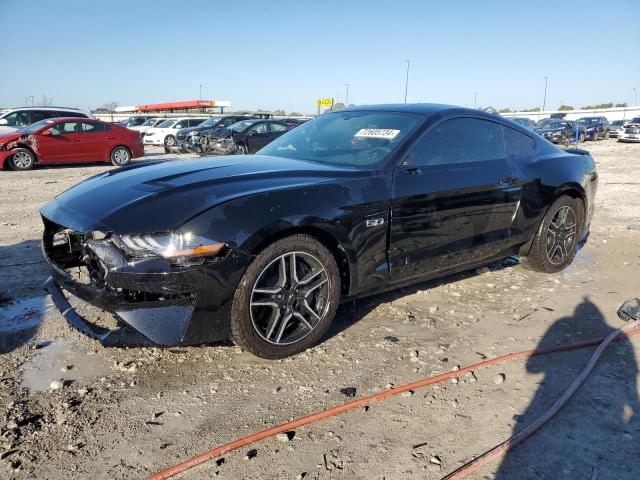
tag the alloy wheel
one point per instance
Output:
(121, 156)
(170, 141)
(289, 298)
(22, 160)
(561, 235)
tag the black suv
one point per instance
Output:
(184, 135)
(596, 127)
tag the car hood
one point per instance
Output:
(162, 196)
(548, 130)
(9, 137)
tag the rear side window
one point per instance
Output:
(518, 146)
(91, 127)
(71, 114)
(460, 140)
(276, 127)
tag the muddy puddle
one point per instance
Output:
(63, 361)
(20, 321)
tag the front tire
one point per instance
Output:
(286, 299)
(556, 241)
(22, 159)
(169, 141)
(582, 137)
(120, 156)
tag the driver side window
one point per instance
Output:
(260, 128)
(459, 140)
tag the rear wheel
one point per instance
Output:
(287, 298)
(120, 156)
(556, 241)
(22, 159)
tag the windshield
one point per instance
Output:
(615, 123)
(522, 121)
(210, 122)
(549, 123)
(241, 126)
(35, 126)
(356, 139)
(167, 124)
(588, 121)
(635, 120)
(151, 121)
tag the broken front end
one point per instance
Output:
(180, 299)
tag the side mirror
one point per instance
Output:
(46, 133)
(251, 133)
(3, 121)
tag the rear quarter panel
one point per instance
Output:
(546, 178)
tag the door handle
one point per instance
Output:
(109, 138)
(507, 181)
(76, 140)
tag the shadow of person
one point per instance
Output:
(597, 433)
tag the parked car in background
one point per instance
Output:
(69, 140)
(525, 122)
(150, 123)
(631, 131)
(596, 127)
(184, 136)
(561, 131)
(165, 132)
(615, 127)
(134, 121)
(262, 249)
(248, 136)
(17, 118)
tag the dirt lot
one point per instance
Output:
(125, 413)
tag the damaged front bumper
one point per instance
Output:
(154, 300)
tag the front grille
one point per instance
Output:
(632, 130)
(67, 250)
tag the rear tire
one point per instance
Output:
(276, 313)
(556, 241)
(120, 156)
(22, 160)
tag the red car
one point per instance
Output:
(69, 140)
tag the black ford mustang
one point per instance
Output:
(262, 248)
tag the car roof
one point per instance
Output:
(45, 108)
(424, 109)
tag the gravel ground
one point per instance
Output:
(70, 408)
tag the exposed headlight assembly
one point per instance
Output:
(167, 245)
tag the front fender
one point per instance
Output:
(339, 209)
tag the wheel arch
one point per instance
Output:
(24, 146)
(340, 254)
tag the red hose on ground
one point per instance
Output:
(628, 330)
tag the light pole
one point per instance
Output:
(200, 97)
(347, 101)
(544, 101)
(635, 99)
(406, 83)
(475, 99)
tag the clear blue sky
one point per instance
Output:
(277, 54)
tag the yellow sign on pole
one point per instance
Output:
(325, 102)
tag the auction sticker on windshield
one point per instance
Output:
(387, 133)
